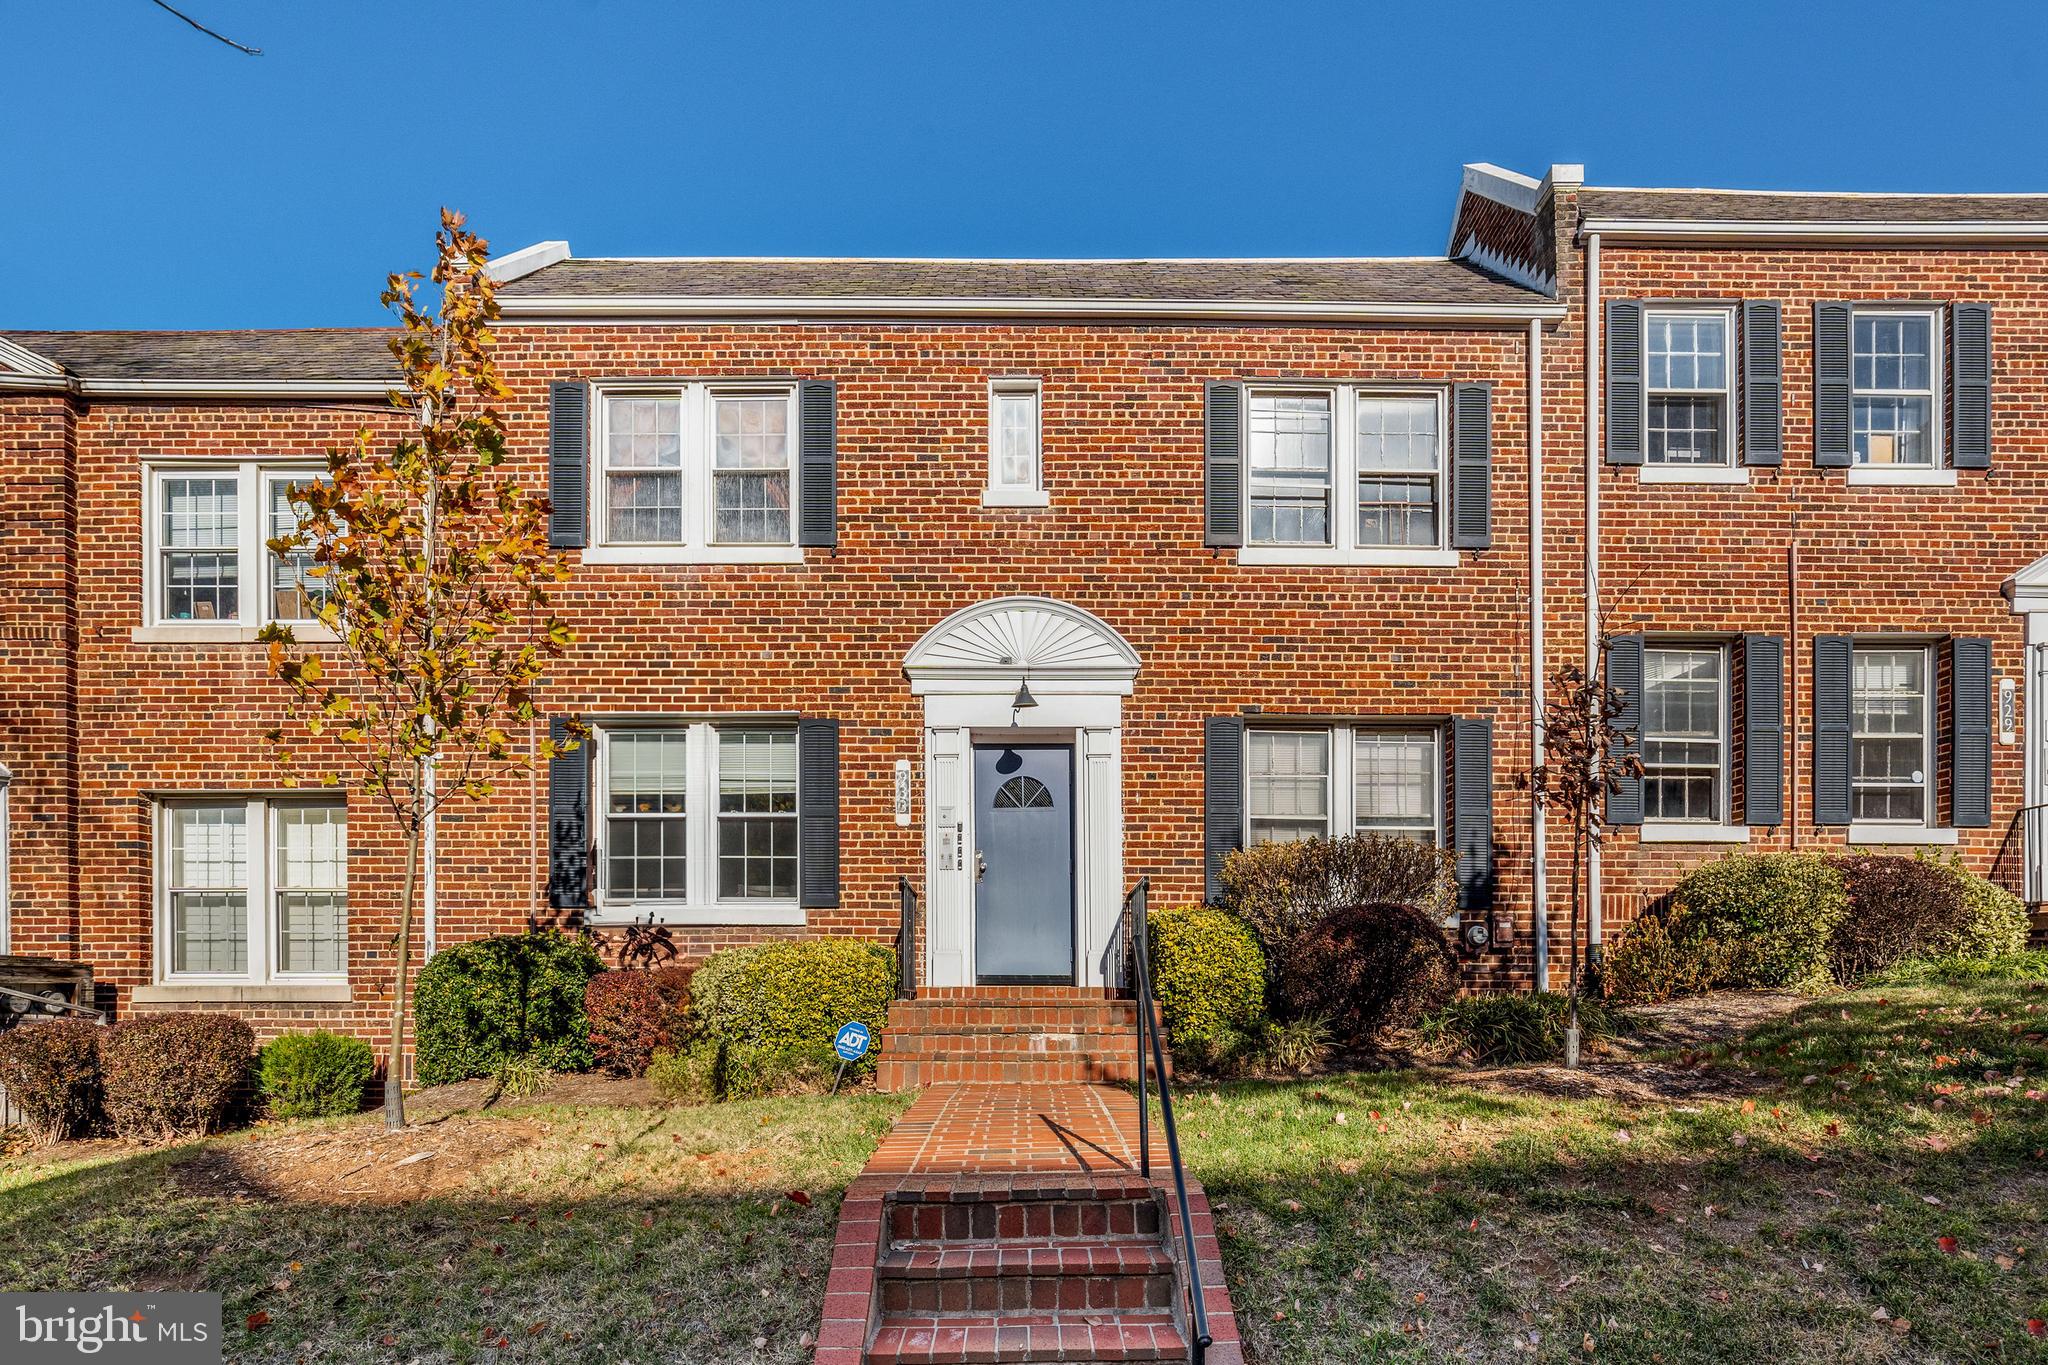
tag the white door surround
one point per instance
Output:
(2027, 592)
(968, 668)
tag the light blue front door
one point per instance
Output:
(1024, 863)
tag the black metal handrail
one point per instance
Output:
(1138, 942)
(2012, 868)
(906, 940)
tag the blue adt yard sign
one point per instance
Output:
(852, 1042)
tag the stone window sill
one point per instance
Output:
(1879, 476)
(696, 916)
(1678, 473)
(1286, 556)
(1879, 835)
(251, 993)
(1681, 832)
(1015, 497)
(208, 633)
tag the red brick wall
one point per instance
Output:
(1122, 538)
(1919, 561)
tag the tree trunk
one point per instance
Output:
(394, 1060)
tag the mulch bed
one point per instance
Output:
(355, 1163)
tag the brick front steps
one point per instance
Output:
(1014, 1035)
(1005, 1223)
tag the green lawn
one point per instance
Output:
(1881, 1196)
(617, 1234)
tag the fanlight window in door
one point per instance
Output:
(1022, 793)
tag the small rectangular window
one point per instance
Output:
(201, 547)
(647, 815)
(1890, 760)
(208, 885)
(312, 890)
(1290, 468)
(1684, 734)
(756, 814)
(1689, 389)
(1395, 777)
(643, 470)
(750, 469)
(1896, 362)
(1399, 452)
(1013, 419)
(1289, 785)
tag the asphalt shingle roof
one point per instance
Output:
(1764, 206)
(1428, 280)
(302, 353)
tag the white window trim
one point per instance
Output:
(1937, 400)
(1692, 832)
(1726, 465)
(695, 430)
(1342, 799)
(702, 905)
(262, 892)
(1901, 476)
(1902, 831)
(1702, 830)
(1345, 549)
(998, 493)
(253, 479)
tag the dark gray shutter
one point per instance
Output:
(568, 464)
(1472, 810)
(1472, 466)
(1763, 730)
(1831, 434)
(569, 821)
(1624, 382)
(1969, 744)
(1971, 325)
(817, 813)
(1625, 678)
(1222, 798)
(1833, 667)
(817, 462)
(1223, 465)
(1763, 383)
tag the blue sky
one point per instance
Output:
(157, 179)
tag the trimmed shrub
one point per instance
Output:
(1283, 891)
(771, 1008)
(1898, 908)
(1207, 972)
(634, 1014)
(1508, 1030)
(517, 995)
(1774, 913)
(52, 1074)
(1370, 967)
(1996, 923)
(314, 1075)
(174, 1075)
(686, 1073)
(1652, 962)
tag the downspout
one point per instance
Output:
(1539, 872)
(429, 920)
(1592, 383)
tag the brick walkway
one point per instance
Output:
(962, 1168)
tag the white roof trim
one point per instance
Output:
(666, 308)
(523, 262)
(1503, 186)
(2027, 590)
(1005, 260)
(1752, 230)
(87, 387)
(21, 359)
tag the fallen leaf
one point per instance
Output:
(1947, 1245)
(257, 1319)
(2036, 1327)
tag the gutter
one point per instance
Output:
(665, 308)
(1815, 233)
(87, 387)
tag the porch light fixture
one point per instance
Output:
(1023, 700)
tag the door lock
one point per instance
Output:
(980, 865)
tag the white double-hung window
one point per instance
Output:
(1685, 733)
(1345, 474)
(1896, 361)
(1016, 465)
(698, 822)
(1690, 386)
(695, 472)
(207, 566)
(1891, 763)
(252, 890)
(1313, 783)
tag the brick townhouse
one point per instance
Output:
(1021, 580)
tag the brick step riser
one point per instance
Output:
(895, 1076)
(1027, 1293)
(1049, 1021)
(1073, 1339)
(925, 1044)
(1005, 1220)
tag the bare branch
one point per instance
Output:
(219, 37)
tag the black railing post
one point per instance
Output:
(1141, 979)
(906, 940)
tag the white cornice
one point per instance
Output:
(674, 308)
(22, 360)
(1816, 233)
(519, 264)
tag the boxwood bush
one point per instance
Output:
(1366, 968)
(174, 1075)
(314, 1075)
(1996, 923)
(514, 996)
(52, 1073)
(1208, 975)
(1775, 913)
(770, 1010)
